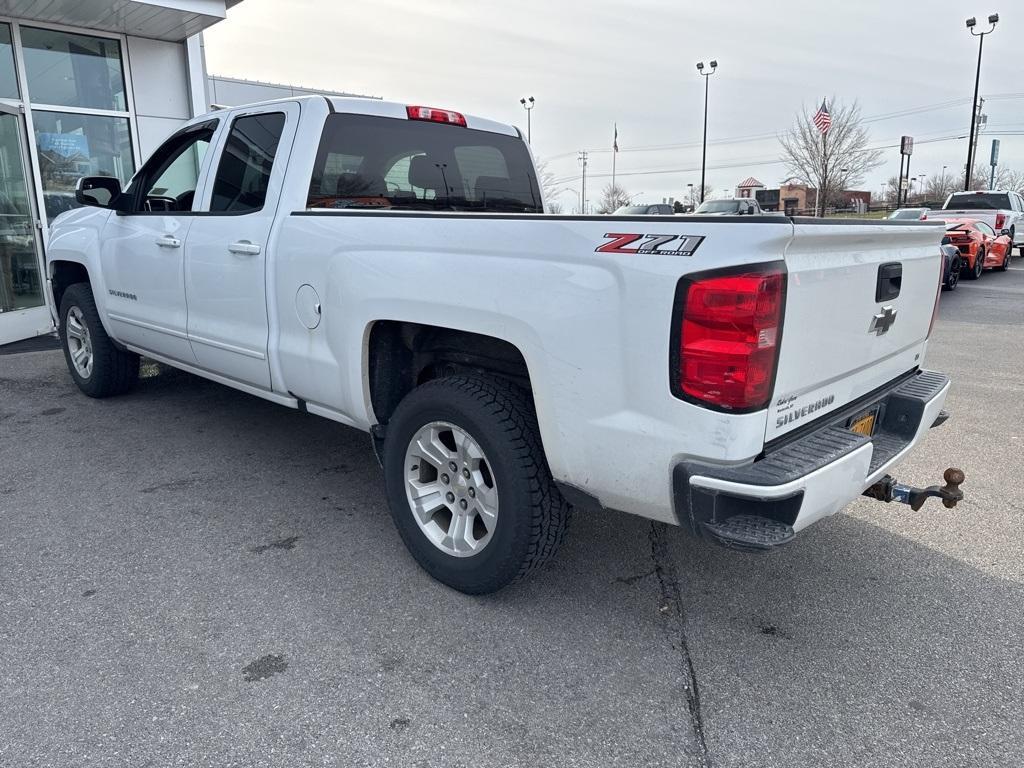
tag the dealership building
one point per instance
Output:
(90, 87)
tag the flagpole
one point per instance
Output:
(824, 163)
(615, 152)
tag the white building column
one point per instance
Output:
(199, 96)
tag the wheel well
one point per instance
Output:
(404, 355)
(66, 273)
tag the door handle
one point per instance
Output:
(167, 241)
(245, 247)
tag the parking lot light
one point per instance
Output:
(971, 23)
(712, 65)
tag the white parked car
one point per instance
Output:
(391, 268)
(734, 206)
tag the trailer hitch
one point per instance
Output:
(887, 489)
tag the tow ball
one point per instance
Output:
(887, 489)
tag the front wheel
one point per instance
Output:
(98, 367)
(468, 485)
(953, 278)
(1006, 261)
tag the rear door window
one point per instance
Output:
(243, 175)
(380, 162)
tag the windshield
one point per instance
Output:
(720, 206)
(382, 162)
(978, 201)
(908, 213)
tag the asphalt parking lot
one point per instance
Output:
(190, 576)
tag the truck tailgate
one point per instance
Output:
(859, 307)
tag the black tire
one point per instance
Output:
(532, 516)
(1006, 261)
(953, 278)
(1022, 251)
(114, 371)
(979, 267)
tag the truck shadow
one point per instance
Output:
(851, 646)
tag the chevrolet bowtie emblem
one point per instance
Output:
(883, 321)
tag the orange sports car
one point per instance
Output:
(981, 247)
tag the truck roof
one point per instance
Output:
(377, 107)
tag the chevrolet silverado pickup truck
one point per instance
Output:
(390, 267)
(1003, 211)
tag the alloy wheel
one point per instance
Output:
(451, 489)
(79, 343)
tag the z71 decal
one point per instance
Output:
(667, 245)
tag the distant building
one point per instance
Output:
(748, 187)
(793, 199)
(789, 198)
(233, 92)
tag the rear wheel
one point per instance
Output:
(1006, 261)
(973, 273)
(98, 367)
(468, 485)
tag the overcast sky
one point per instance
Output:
(593, 64)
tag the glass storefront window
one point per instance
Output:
(71, 146)
(8, 78)
(21, 285)
(73, 70)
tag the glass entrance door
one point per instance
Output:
(23, 311)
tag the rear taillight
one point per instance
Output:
(729, 335)
(434, 115)
(1000, 220)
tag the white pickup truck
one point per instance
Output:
(390, 267)
(1003, 211)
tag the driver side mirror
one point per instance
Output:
(97, 191)
(750, 210)
(1004, 232)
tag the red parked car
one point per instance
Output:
(979, 245)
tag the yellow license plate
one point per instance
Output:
(864, 425)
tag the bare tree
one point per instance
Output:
(832, 161)
(549, 187)
(941, 185)
(613, 197)
(1015, 181)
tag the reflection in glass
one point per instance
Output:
(20, 283)
(8, 78)
(73, 70)
(71, 146)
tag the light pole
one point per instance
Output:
(689, 188)
(920, 185)
(528, 105)
(993, 19)
(712, 65)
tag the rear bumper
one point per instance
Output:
(818, 473)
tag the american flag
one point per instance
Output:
(822, 119)
(615, 141)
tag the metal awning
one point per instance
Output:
(170, 20)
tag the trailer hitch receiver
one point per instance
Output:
(887, 489)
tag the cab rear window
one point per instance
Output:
(381, 162)
(979, 201)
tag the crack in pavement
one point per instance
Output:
(672, 598)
